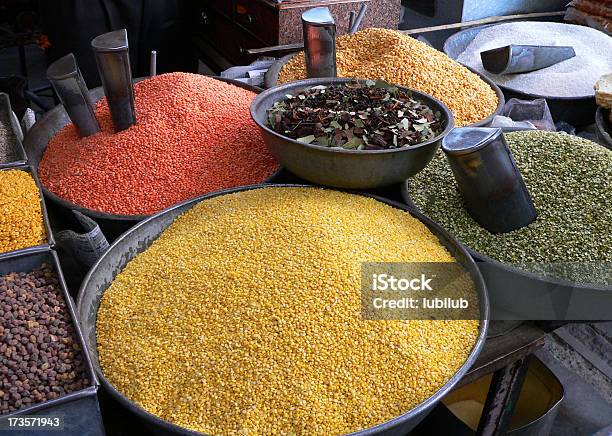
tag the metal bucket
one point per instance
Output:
(271, 80)
(38, 138)
(578, 111)
(535, 410)
(79, 410)
(141, 236)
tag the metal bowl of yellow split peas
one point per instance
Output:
(239, 312)
(405, 61)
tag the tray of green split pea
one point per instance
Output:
(233, 303)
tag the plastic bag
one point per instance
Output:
(534, 111)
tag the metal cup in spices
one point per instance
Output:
(490, 183)
(319, 42)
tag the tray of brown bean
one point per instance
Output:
(46, 378)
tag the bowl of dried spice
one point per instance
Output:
(351, 133)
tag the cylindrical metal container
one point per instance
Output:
(490, 183)
(113, 60)
(319, 42)
(140, 237)
(42, 132)
(338, 167)
(70, 87)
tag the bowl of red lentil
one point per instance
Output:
(193, 135)
(285, 215)
(347, 168)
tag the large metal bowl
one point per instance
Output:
(271, 80)
(604, 127)
(141, 236)
(38, 137)
(518, 294)
(577, 111)
(337, 167)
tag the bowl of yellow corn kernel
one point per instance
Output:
(239, 312)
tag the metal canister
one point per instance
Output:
(490, 183)
(66, 79)
(319, 42)
(113, 61)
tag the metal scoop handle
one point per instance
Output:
(68, 83)
(113, 61)
(515, 58)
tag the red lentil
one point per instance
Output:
(193, 135)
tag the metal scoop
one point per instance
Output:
(112, 58)
(514, 58)
(491, 185)
(66, 79)
(319, 42)
(355, 22)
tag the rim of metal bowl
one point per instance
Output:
(446, 50)
(273, 72)
(137, 217)
(306, 83)
(508, 267)
(440, 233)
(602, 124)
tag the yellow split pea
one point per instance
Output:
(244, 317)
(400, 59)
(21, 217)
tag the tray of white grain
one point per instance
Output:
(572, 78)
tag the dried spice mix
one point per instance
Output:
(193, 135)
(244, 317)
(357, 115)
(570, 181)
(388, 55)
(40, 358)
(21, 216)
